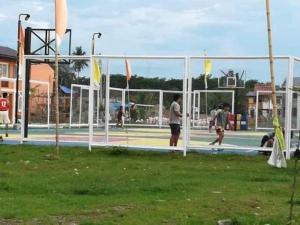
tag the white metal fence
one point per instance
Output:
(188, 102)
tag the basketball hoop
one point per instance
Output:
(231, 80)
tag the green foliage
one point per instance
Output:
(79, 65)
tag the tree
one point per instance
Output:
(67, 76)
(79, 65)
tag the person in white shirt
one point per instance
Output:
(175, 119)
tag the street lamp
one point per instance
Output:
(93, 41)
(98, 34)
(26, 17)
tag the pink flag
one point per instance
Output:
(128, 70)
(22, 43)
(61, 20)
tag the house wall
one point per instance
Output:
(38, 92)
(8, 86)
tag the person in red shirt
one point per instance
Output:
(4, 117)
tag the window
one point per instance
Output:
(20, 102)
(3, 70)
(15, 71)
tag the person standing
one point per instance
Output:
(4, 117)
(175, 119)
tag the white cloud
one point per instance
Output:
(169, 26)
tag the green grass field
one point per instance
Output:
(132, 188)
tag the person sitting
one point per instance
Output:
(267, 140)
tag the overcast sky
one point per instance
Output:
(164, 27)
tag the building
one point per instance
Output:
(262, 93)
(41, 85)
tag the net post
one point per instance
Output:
(91, 104)
(80, 107)
(23, 101)
(288, 106)
(107, 102)
(298, 111)
(233, 102)
(184, 103)
(71, 107)
(194, 106)
(198, 105)
(98, 105)
(256, 110)
(160, 113)
(123, 98)
(14, 117)
(189, 102)
(48, 105)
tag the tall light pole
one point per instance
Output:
(93, 41)
(98, 34)
(27, 16)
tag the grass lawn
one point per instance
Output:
(134, 188)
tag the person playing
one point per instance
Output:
(221, 120)
(175, 118)
(4, 117)
(212, 116)
(133, 113)
(120, 116)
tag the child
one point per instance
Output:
(120, 117)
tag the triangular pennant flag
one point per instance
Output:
(61, 20)
(128, 69)
(21, 45)
(207, 70)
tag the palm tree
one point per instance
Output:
(79, 65)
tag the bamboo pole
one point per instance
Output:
(271, 59)
(56, 151)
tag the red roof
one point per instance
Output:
(263, 87)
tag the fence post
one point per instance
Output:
(288, 106)
(107, 92)
(160, 113)
(91, 104)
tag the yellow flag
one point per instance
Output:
(278, 133)
(207, 70)
(61, 20)
(97, 72)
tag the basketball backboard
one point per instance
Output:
(232, 79)
(42, 42)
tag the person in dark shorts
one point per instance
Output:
(267, 140)
(221, 120)
(175, 119)
(120, 117)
